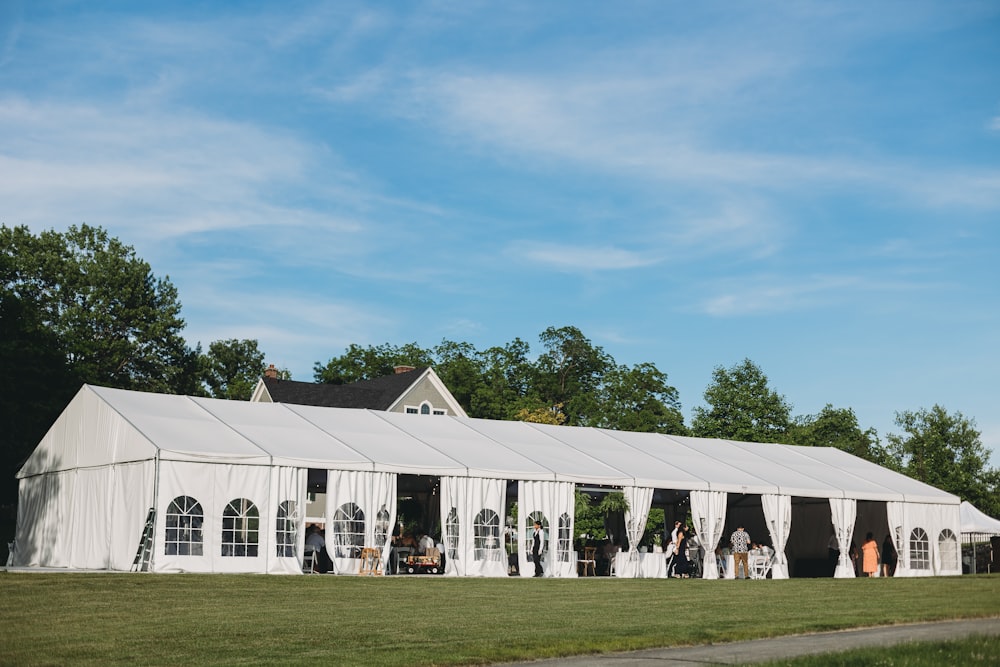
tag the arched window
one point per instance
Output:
(920, 556)
(948, 548)
(286, 529)
(183, 520)
(565, 540)
(381, 527)
(486, 535)
(240, 529)
(425, 408)
(451, 531)
(348, 531)
(529, 535)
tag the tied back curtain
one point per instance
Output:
(288, 504)
(708, 511)
(360, 512)
(778, 515)
(472, 517)
(639, 499)
(843, 513)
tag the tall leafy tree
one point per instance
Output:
(38, 381)
(506, 381)
(79, 307)
(115, 322)
(365, 363)
(639, 399)
(232, 368)
(460, 368)
(838, 427)
(741, 406)
(945, 450)
(570, 372)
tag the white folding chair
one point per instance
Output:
(309, 561)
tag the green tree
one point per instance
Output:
(366, 363)
(838, 427)
(39, 384)
(460, 368)
(570, 372)
(741, 406)
(232, 368)
(639, 399)
(116, 323)
(945, 450)
(506, 380)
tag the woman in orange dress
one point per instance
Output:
(869, 554)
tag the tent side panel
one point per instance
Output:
(43, 509)
(202, 539)
(89, 519)
(131, 498)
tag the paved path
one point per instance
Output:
(779, 648)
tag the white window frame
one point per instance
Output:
(240, 529)
(452, 526)
(425, 408)
(487, 544)
(183, 521)
(348, 531)
(286, 529)
(920, 549)
(949, 550)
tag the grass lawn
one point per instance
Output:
(422, 620)
(972, 651)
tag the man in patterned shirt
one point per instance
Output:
(740, 541)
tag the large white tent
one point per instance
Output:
(206, 485)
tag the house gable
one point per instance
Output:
(391, 393)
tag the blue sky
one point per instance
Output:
(815, 186)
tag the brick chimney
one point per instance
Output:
(404, 369)
(271, 372)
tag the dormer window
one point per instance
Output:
(425, 408)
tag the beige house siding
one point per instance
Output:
(424, 390)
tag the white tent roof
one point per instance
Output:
(974, 521)
(103, 426)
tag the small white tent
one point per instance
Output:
(203, 485)
(974, 522)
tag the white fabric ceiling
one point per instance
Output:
(182, 428)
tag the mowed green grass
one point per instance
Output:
(425, 620)
(976, 650)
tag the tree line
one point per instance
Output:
(81, 307)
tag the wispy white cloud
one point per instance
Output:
(574, 258)
(770, 294)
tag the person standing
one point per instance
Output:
(681, 565)
(888, 557)
(869, 555)
(537, 546)
(740, 542)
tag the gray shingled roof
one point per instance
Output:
(375, 394)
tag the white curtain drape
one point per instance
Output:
(708, 511)
(639, 499)
(472, 514)
(555, 501)
(358, 495)
(896, 515)
(843, 512)
(778, 515)
(288, 490)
